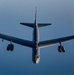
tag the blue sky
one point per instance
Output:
(19, 62)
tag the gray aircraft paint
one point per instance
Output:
(35, 44)
(36, 50)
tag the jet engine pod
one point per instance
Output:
(10, 47)
(61, 49)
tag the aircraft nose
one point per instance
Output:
(37, 60)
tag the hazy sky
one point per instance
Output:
(19, 62)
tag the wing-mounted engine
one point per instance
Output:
(61, 48)
(10, 47)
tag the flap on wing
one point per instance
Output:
(55, 41)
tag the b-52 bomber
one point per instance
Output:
(35, 44)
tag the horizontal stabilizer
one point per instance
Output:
(39, 24)
(43, 24)
(28, 24)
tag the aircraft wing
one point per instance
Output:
(55, 41)
(17, 40)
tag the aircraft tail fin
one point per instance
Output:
(39, 24)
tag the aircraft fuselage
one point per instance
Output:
(36, 50)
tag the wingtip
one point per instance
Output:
(21, 23)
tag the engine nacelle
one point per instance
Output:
(61, 49)
(10, 47)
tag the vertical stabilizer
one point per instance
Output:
(35, 14)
